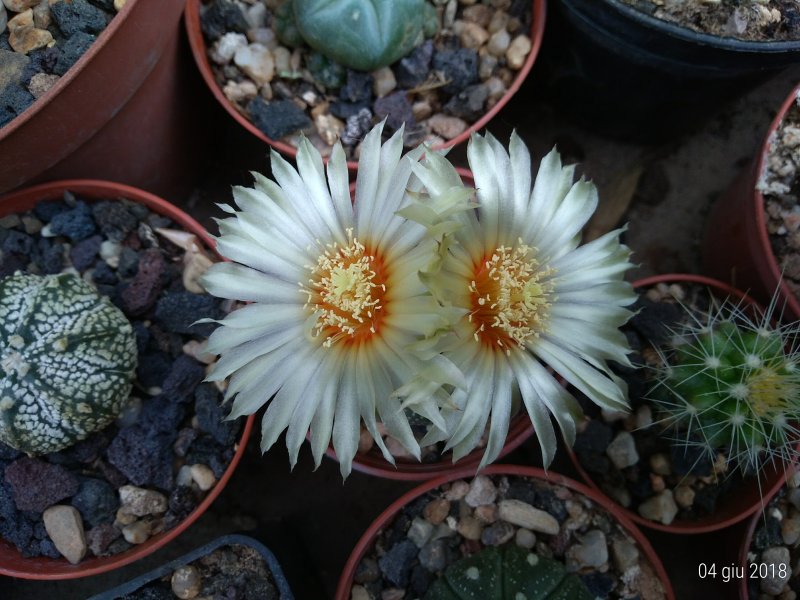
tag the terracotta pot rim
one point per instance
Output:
(66, 79)
(759, 206)
(368, 537)
(198, 48)
(685, 527)
(43, 568)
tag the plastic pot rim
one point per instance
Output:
(706, 39)
(43, 568)
(199, 52)
(368, 538)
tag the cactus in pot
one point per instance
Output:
(360, 34)
(731, 384)
(508, 573)
(67, 359)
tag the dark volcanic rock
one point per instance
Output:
(459, 67)
(38, 485)
(178, 311)
(278, 118)
(78, 16)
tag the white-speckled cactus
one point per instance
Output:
(67, 357)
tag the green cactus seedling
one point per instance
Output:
(508, 573)
(732, 384)
(67, 357)
(361, 34)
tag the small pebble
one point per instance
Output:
(437, 510)
(525, 538)
(522, 514)
(65, 528)
(186, 582)
(661, 508)
(622, 450)
(203, 476)
(137, 532)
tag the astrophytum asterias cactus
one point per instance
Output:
(508, 573)
(67, 357)
(361, 34)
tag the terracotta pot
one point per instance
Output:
(736, 247)
(199, 51)
(12, 563)
(387, 516)
(736, 507)
(119, 113)
(268, 557)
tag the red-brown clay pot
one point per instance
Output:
(387, 516)
(736, 247)
(119, 113)
(736, 507)
(199, 51)
(12, 563)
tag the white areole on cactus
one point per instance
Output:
(67, 358)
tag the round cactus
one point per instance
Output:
(360, 34)
(67, 358)
(732, 385)
(508, 573)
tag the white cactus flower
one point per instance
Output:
(335, 301)
(530, 297)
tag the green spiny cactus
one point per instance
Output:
(732, 384)
(508, 573)
(361, 34)
(67, 357)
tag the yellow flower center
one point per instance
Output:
(347, 291)
(769, 392)
(508, 299)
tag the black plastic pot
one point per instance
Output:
(227, 540)
(630, 75)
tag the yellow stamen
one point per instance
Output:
(346, 290)
(509, 299)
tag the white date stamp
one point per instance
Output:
(733, 571)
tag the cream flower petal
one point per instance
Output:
(338, 303)
(528, 294)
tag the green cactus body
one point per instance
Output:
(731, 386)
(67, 357)
(361, 34)
(508, 573)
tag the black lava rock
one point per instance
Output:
(459, 67)
(705, 499)
(37, 484)
(184, 376)
(414, 68)
(547, 501)
(162, 414)
(97, 502)
(46, 210)
(7, 453)
(345, 110)
(103, 274)
(50, 257)
(599, 584)
(142, 335)
(690, 460)
(521, 489)
(397, 563)
(396, 109)
(144, 456)
(84, 253)
(178, 311)
(72, 50)
(114, 219)
(278, 118)
(128, 263)
(211, 415)
(653, 320)
(14, 99)
(182, 501)
(358, 87)
(78, 16)
(11, 263)
(420, 581)
(153, 369)
(18, 243)
(206, 451)
(221, 17)
(76, 224)
(595, 438)
(468, 104)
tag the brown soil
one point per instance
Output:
(756, 20)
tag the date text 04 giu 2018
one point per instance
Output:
(733, 571)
